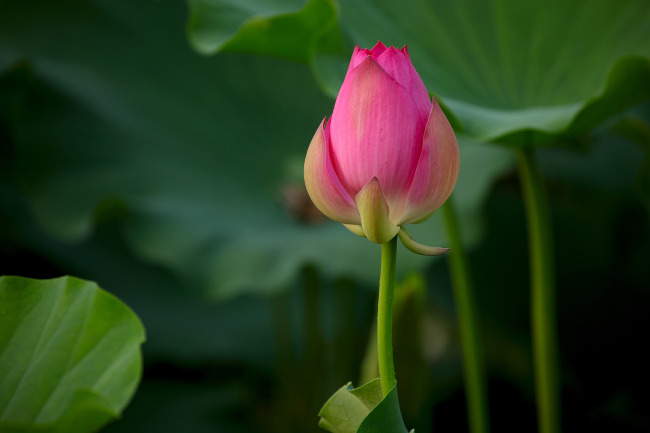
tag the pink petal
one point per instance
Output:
(376, 132)
(378, 49)
(397, 66)
(437, 169)
(323, 185)
(418, 90)
(358, 56)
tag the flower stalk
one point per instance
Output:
(544, 331)
(385, 316)
(473, 364)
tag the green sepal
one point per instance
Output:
(418, 248)
(356, 229)
(374, 213)
(362, 410)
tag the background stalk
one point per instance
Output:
(385, 315)
(473, 364)
(542, 274)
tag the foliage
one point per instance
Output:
(69, 355)
(362, 410)
(209, 205)
(500, 67)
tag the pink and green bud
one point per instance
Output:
(387, 156)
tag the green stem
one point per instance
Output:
(385, 315)
(542, 292)
(473, 369)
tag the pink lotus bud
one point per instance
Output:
(388, 156)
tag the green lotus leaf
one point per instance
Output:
(289, 29)
(549, 67)
(69, 355)
(362, 410)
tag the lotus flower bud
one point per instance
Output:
(387, 156)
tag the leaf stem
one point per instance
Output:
(542, 274)
(473, 367)
(385, 315)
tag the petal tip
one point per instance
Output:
(378, 48)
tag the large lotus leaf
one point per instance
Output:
(553, 66)
(213, 24)
(269, 28)
(304, 31)
(503, 66)
(194, 152)
(69, 355)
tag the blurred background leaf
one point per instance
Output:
(269, 28)
(499, 66)
(196, 172)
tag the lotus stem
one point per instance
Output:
(385, 316)
(542, 275)
(473, 363)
